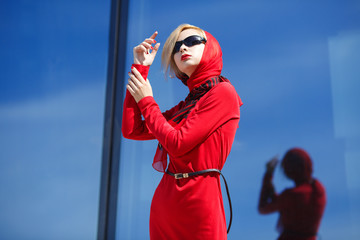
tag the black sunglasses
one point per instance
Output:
(189, 42)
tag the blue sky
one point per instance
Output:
(285, 59)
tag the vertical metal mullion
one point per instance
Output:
(112, 121)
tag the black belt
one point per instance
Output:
(191, 174)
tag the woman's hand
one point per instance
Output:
(144, 53)
(137, 86)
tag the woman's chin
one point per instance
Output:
(188, 69)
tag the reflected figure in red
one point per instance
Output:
(301, 207)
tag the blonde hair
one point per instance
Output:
(167, 56)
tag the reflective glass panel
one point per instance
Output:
(53, 57)
(295, 66)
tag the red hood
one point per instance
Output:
(210, 65)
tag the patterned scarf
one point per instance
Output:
(194, 96)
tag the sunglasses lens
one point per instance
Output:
(189, 42)
(177, 46)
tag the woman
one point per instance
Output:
(197, 134)
(301, 207)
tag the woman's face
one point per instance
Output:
(188, 58)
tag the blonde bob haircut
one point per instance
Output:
(167, 56)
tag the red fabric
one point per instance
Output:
(160, 160)
(189, 208)
(301, 208)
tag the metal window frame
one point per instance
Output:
(112, 120)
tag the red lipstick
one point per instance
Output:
(185, 56)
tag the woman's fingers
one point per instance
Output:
(155, 49)
(131, 90)
(157, 46)
(153, 36)
(140, 48)
(147, 45)
(131, 87)
(137, 76)
(132, 84)
(137, 86)
(145, 52)
(136, 81)
(150, 40)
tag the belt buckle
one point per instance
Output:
(181, 175)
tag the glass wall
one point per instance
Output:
(53, 57)
(295, 66)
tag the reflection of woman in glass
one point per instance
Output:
(197, 134)
(301, 207)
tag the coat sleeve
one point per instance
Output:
(133, 127)
(217, 107)
(269, 200)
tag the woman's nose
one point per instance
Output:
(183, 47)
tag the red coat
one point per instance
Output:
(189, 208)
(301, 208)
